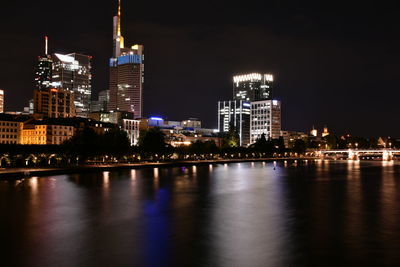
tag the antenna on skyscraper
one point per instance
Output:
(119, 17)
(46, 41)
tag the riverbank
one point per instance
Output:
(18, 173)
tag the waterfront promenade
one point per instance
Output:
(17, 173)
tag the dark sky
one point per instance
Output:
(335, 64)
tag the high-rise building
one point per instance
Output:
(101, 104)
(235, 114)
(252, 87)
(126, 73)
(1, 101)
(44, 69)
(72, 72)
(265, 119)
(54, 103)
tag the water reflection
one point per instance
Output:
(33, 183)
(327, 213)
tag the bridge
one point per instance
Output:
(354, 154)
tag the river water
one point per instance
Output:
(305, 213)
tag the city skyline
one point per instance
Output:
(328, 70)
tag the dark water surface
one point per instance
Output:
(315, 213)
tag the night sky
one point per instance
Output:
(335, 64)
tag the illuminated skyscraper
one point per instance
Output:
(252, 87)
(72, 72)
(265, 119)
(43, 69)
(126, 73)
(235, 114)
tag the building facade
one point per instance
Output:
(290, 137)
(126, 74)
(265, 119)
(54, 103)
(235, 114)
(252, 87)
(72, 72)
(10, 128)
(191, 123)
(132, 129)
(42, 133)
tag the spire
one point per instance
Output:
(46, 40)
(119, 17)
(118, 39)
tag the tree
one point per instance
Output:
(84, 143)
(331, 141)
(299, 146)
(263, 145)
(115, 142)
(231, 138)
(152, 140)
(280, 143)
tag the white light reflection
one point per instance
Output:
(133, 175)
(387, 163)
(210, 167)
(353, 169)
(156, 173)
(194, 169)
(106, 179)
(33, 183)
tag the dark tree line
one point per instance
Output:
(87, 143)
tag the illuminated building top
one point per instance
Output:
(253, 77)
(252, 87)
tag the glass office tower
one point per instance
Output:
(72, 72)
(235, 113)
(252, 87)
(44, 69)
(126, 74)
(265, 119)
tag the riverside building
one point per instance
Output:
(10, 128)
(235, 114)
(265, 119)
(46, 133)
(126, 73)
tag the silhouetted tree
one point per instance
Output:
(153, 141)
(299, 146)
(263, 145)
(115, 142)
